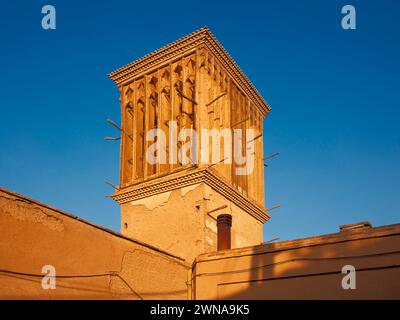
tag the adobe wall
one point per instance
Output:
(305, 268)
(246, 230)
(183, 221)
(91, 262)
(173, 221)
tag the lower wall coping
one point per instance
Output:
(358, 234)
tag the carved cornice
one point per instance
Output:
(231, 193)
(187, 178)
(179, 47)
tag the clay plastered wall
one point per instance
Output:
(90, 262)
(305, 269)
(172, 221)
(177, 221)
(246, 230)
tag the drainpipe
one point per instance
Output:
(224, 224)
(189, 281)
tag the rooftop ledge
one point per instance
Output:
(350, 235)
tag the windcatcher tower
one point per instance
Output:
(175, 206)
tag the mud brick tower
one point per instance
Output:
(174, 205)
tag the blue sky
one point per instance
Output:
(335, 97)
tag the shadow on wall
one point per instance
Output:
(308, 268)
